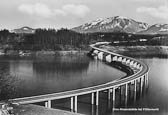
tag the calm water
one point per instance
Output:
(157, 94)
(34, 76)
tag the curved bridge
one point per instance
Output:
(138, 78)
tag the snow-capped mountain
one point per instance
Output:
(24, 30)
(112, 24)
(156, 29)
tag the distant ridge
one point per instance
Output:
(156, 29)
(24, 30)
(122, 25)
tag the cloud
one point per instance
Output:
(78, 10)
(148, 0)
(38, 9)
(43, 10)
(159, 12)
(60, 12)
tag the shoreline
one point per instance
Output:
(43, 53)
(32, 109)
(140, 51)
(133, 51)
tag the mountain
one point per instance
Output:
(24, 30)
(156, 29)
(112, 24)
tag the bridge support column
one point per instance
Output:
(76, 104)
(147, 80)
(120, 59)
(97, 98)
(49, 103)
(109, 94)
(115, 58)
(92, 98)
(113, 94)
(141, 85)
(113, 105)
(72, 104)
(128, 61)
(144, 81)
(126, 90)
(135, 85)
(126, 93)
(100, 55)
(132, 63)
(96, 51)
(108, 58)
(135, 65)
(124, 60)
(46, 104)
(138, 66)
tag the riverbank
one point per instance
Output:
(43, 53)
(31, 109)
(139, 51)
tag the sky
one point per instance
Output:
(71, 13)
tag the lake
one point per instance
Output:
(40, 75)
(32, 76)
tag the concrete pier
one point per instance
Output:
(114, 94)
(92, 98)
(97, 98)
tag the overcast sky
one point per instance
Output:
(71, 13)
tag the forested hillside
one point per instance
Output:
(64, 39)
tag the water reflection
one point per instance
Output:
(41, 75)
(8, 83)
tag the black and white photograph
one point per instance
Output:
(83, 57)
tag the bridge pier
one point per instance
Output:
(126, 90)
(113, 98)
(147, 80)
(141, 85)
(97, 98)
(128, 61)
(92, 98)
(109, 94)
(124, 60)
(96, 51)
(135, 89)
(113, 94)
(131, 63)
(115, 58)
(108, 58)
(48, 104)
(100, 55)
(74, 103)
(120, 59)
(135, 85)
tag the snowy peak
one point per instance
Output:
(112, 24)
